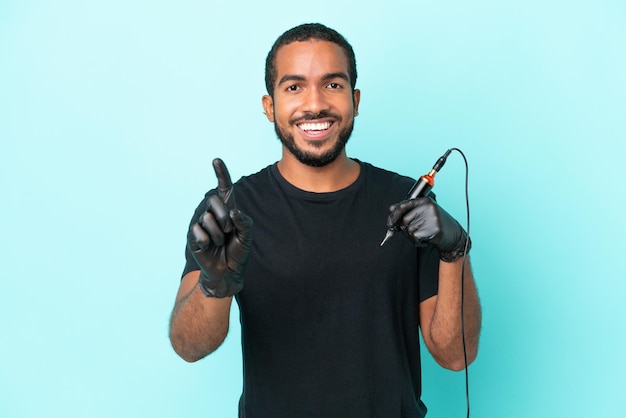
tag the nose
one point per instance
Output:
(314, 101)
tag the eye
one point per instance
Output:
(293, 87)
(334, 86)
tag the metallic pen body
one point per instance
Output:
(421, 188)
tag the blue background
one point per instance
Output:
(111, 111)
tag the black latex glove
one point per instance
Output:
(424, 221)
(220, 241)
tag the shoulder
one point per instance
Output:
(395, 184)
(253, 181)
(244, 185)
(248, 182)
(256, 191)
(382, 178)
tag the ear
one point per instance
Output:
(356, 99)
(268, 107)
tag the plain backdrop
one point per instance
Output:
(111, 111)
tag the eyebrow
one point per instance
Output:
(329, 76)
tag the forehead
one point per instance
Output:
(310, 58)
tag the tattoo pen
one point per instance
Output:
(421, 188)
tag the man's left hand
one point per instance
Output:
(424, 221)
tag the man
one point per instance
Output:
(329, 318)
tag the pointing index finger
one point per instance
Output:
(224, 184)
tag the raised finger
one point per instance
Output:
(224, 184)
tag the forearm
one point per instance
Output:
(446, 332)
(198, 324)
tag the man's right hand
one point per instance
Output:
(221, 239)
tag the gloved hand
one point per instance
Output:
(424, 221)
(220, 241)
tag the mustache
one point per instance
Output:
(314, 116)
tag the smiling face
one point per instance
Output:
(313, 105)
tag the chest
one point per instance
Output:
(324, 258)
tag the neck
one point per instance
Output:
(335, 176)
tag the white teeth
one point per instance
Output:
(317, 126)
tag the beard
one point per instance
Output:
(309, 158)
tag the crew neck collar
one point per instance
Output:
(297, 192)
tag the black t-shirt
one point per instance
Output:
(329, 318)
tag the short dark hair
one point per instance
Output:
(302, 33)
